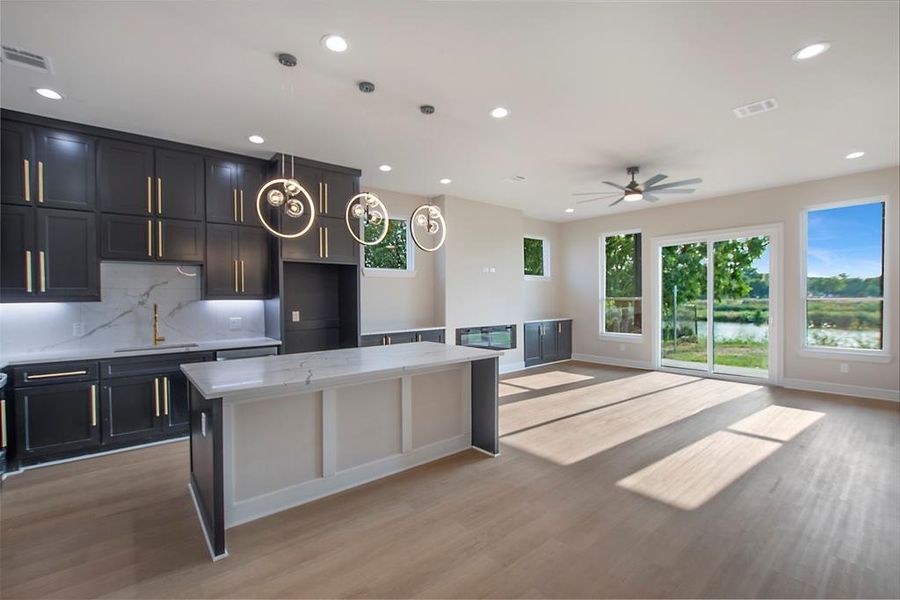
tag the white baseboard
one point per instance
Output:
(511, 367)
(613, 361)
(842, 389)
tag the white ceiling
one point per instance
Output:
(592, 88)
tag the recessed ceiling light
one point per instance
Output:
(857, 154)
(570, 210)
(446, 181)
(385, 168)
(48, 93)
(811, 51)
(335, 43)
(500, 113)
(256, 139)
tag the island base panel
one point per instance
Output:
(206, 483)
(486, 405)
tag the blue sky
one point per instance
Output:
(845, 240)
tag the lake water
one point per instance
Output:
(760, 333)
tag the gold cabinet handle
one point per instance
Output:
(418, 337)
(149, 195)
(42, 271)
(321, 245)
(236, 276)
(559, 327)
(159, 238)
(241, 204)
(156, 395)
(27, 180)
(159, 195)
(321, 198)
(384, 340)
(243, 287)
(326, 236)
(52, 375)
(40, 181)
(28, 285)
(326, 197)
(166, 396)
(234, 209)
(150, 238)
(2, 423)
(94, 405)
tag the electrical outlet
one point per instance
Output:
(77, 329)
(234, 323)
(295, 316)
(845, 368)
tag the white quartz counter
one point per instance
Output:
(317, 370)
(402, 330)
(548, 319)
(106, 353)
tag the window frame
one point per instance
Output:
(883, 355)
(616, 336)
(545, 247)
(409, 271)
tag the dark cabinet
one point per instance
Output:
(547, 341)
(307, 247)
(17, 163)
(49, 255)
(57, 419)
(338, 188)
(320, 306)
(124, 237)
(231, 189)
(403, 337)
(65, 174)
(238, 262)
(180, 241)
(432, 335)
(131, 409)
(125, 177)
(327, 241)
(176, 410)
(179, 185)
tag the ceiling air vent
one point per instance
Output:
(24, 58)
(755, 108)
(514, 179)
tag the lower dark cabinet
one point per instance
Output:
(131, 409)
(403, 337)
(56, 420)
(547, 341)
(177, 410)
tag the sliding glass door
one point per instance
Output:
(714, 305)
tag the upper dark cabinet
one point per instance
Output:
(179, 185)
(17, 163)
(238, 262)
(66, 170)
(125, 178)
(327, 241)
(338, 188)
(179, 241)
(231, 189)
(17, 248)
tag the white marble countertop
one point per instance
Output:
(105, 353)
(548, 319)
(312, 371)
(402, 330)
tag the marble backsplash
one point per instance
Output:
(125, 315)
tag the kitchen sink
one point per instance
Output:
(160, 347)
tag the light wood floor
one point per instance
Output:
(612, 483)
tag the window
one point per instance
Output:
(394, 255)
(537, 258)
(620, 284)
(845, 277)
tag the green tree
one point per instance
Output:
(534, 256)
(391, 253)
(623, 266)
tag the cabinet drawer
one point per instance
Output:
(153, 365)
(61, 372)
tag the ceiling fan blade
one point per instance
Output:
(615, 185)
(588, 200)
(617, 201)
(674, 184)
(669, 191)
(595, 193)
(650, 198)
(654, 180)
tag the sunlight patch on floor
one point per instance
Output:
(587, 426)
(542, 381)
(692, 476)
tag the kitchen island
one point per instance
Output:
(274, 432)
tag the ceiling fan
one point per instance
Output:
(635, 191)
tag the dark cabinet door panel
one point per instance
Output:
(550, 341)
(66, 169)
(432, 335)
(221, 191)
(249, 181)
(17, 163)
(221, 266)
(565, 340)
(176, 408)
(67, 254)
(131, 409)
(125, 177)
(127, 238)
(338, 189)
(372, 340)
(311, 340)
(340, 247)
(56, 419)
(532, 344)
(179, 185)
(17, 253)
(181, 241)
(306, 247)
(254, 259)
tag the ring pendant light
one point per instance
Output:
(427, 219)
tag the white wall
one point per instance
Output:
(400, 302)
(778, 205)
(543, 296)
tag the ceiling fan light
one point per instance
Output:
(633, 196)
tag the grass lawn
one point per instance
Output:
(732, 353)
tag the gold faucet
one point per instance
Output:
(156, 337)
